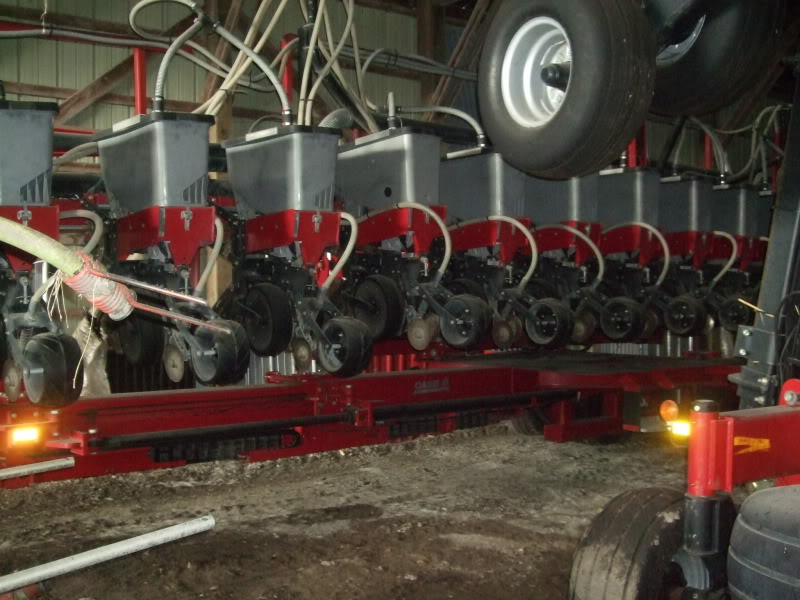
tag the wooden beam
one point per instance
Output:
(47, 91)
(95, 90)
(430, 41)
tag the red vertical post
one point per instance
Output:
(633, 154)
(140, 80)
(637, 150)
(288, 75)
(708, 154)
(701, 448)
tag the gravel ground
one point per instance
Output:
(485, 513)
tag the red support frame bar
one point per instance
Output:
(511, 241)
(140, 99)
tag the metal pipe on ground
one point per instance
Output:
(40, 467)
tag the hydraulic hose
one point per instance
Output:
(161, 78)
(346, 253)
(41, 246)
(449, 111)
(662, 240)
(340, 118)
(448, 242)
(528, 236)
(219, 238)
(601, 261)
(728, 265)
(310, 59)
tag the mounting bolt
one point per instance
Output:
(790, 397)
(742, 351)
(763, 380)
(760, 399)
(746, 332)
(92, 431)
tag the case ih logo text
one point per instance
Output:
(432, 385)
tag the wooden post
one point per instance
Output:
(430, 41)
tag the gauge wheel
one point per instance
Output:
(733, 313)
(345, 347)
(223, 356)
(268, 319)
(466, 322)
(623, 320)
(564, 85)
(715, 59)
(141, 338)
(626, 553)
(51, 362)
(685, 316)
(380, 305)
(549, 323)
(464, 285)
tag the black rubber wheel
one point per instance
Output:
(607, 96)
(226, 355)
(685, 316)
(715, 60)
(469, 322)
(50, 361)
(267, 319)
(346, 347)
(142, 339)
(733, 313)
(764, 552)
(626, 553)
(380, 305)
(549, 323)
(622, 320)
(467, 286)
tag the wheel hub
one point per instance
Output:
(539, 50)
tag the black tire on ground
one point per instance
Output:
(607, 98)
(764, 552)
(50, 362)
(380, 305)
(229, 354)
(467, 286)
(142, 339)
(622, 320)
(470, 322)
(718, 59)
(685, 316)
(549, 323)
(346, 348)
(626, 553)
(267, 319)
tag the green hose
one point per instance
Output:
(40, 246)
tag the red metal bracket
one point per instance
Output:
(509, 239)
(401, 221)
(316, 232)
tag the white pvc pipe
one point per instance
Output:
(62, 566)
(734, 255)
(661, 239)
(309, 60)
(448, 242)
(601, 262)
(40, 467)
(348, 251)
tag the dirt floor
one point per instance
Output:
(481, 514)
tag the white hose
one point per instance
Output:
(346, 253)
(734, 255)
(97, 235)
(312, 44)
(601, 261)
(449, 111)
(448, 242)
(161, 77)
(81, 151)
(219, 237)
(41, 246)
(720, 156)
(662, 240)
(350, 9)
(528, 236)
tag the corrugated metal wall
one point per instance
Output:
(73, 65)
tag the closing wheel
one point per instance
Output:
(50, 364)
(380, 305)
(564, 85)
(142, 339)
(733, 313)
(715, 59)
(623, 320)
(421, 331)
(549, 323)
(586, 324)
(626, 553)
(268, 319)
(346, 346)
(466, 322)
(224, 356)
(174, 363)
(685, 316)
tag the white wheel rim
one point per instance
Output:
(675, 52)
(540, 42)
